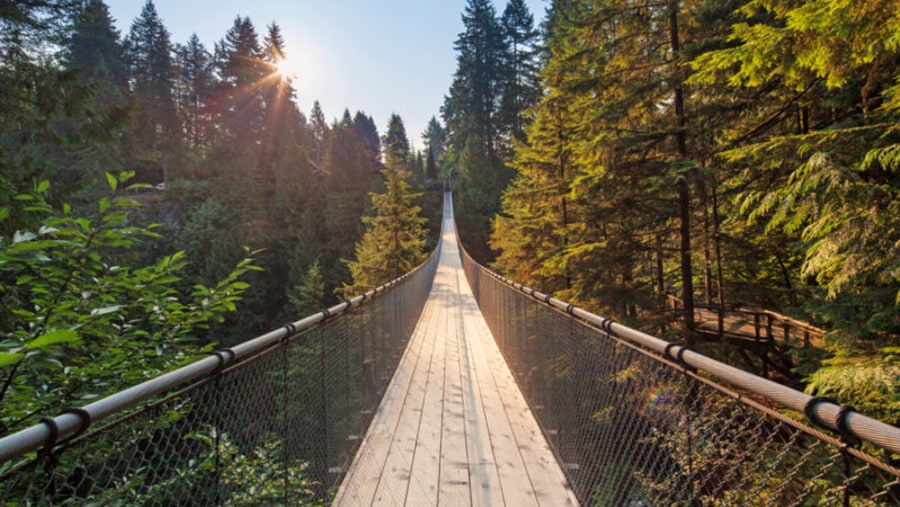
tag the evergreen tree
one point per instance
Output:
(396, 145)
(603, 186)
(435, 146)
(474, 128)
(349, 170)
(52, 123)
(431, 168)
(155, 132)
(94, 53)
(273, 44)
(367, 132)
(394, 240)
(521, 87)
(95, 50)
(283, 161)
(416, 166)
(239, 94)
(193, 88)
(320, 132)
(471, 108)
(532, 233)
(816, 164)
(310, 294)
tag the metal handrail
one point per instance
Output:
(75, 421)
(822, 412)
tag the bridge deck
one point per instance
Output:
(453, 427)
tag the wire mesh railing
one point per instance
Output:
(636, 421)
(272, 421)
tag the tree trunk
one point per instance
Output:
(717, 246)
(684, 195)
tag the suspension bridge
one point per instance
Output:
(454, 386)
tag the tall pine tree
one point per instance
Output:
(155, 133)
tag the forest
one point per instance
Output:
(728, 153)
(160, 198)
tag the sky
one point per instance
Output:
(377, 56)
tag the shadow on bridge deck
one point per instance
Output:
(453, 427)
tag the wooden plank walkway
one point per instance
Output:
(453, 428)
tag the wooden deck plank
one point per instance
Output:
(423, 481)
(453, 428)
(454, 476)
(512, 476)
(393, 488)
(549, 484)
(370, 462)
(484, 478)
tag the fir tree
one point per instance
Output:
(474, 128)
(396, 144)
(95, 50)
(150, 73)
(194, 84)
(320, 132)
(435, 144)
(367, 133)
(240, 96)
(310, 294)
(394, 239)
(521, 85)
(94, 53)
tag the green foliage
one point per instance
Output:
(394, 240)
(871, 384)
(781, 184)
(494, 83)
(154, 137)
(310, 294)
(257, 478)
(396, 144)
(81, 322)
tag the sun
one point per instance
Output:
(284, 69)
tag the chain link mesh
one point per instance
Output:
(633, 429)
(277, 428)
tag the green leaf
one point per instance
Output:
(8, 359)
(43, 186)
(111, 180)
(52, 338)
(4, 214)
(104, 204)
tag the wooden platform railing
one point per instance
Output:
(756, 324)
